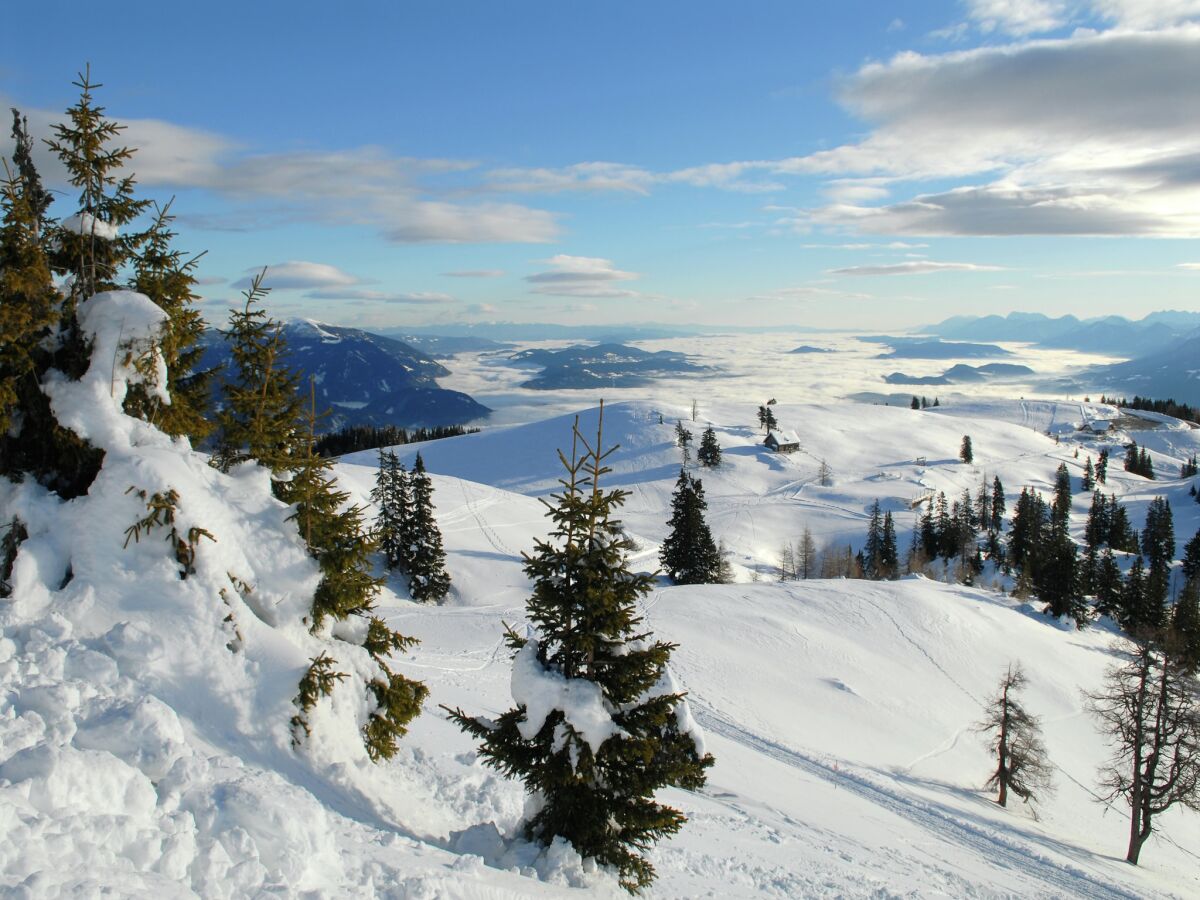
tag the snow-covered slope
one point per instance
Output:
(140, 755)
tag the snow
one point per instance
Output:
(542, 692)
(144, 740)
(86, 223)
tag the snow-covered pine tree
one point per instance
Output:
(424, 558)
(88, 248)
(1016, 739)
(164, 275)
(709, 453)
(689, 554)
(592, 763)
(390, 496)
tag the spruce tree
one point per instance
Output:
(1016, 739)
(1060, 509)
(1088, 482)
(1158, 546)
(709, 454)
(689, 554)
(965, 452)
(390, 496)
(872, 552)
(262, 410)
(999, 507)
(1191, 559)
(889, 555)
(1102, 467)
(165, 276)
(1108, 586)
(90, 246)
(591, 784)
(1185, 625)
(425, 560)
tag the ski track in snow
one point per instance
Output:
(991, 847)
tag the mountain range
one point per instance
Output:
(602, 365)
(364, 378)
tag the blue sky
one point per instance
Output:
(863, 165)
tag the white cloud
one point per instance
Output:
(581, 276)
(476, 273)
(586, 176)
(358, 186)
(1090, 134)
(1191, 267)
(481, 309)
(299, 274)
(916, 267)
(414, 298)
(893, 245)
(1018, 17)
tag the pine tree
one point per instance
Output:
(1060, 509)
(1185, 626)
(167, 278)
(338, 540)
(90, 246)
(27, 181)
(1016, 738)
(965, 451)
(889, 555)
(999, 507)
(1108, 586)
(1134, 615)
(391, 498)
(425, 559)
(592, 786)
(1102, 467)
(683, 440)
(916, 403)
(335, 534)
(1158, 546)
(1191, 559)
(689, 554)
(709, 454)
(262, 408)
(872, 552)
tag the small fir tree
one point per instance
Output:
(689, 554)
(166, 277)
(1088, 482)
(595, 790)
(1102, 467)
(683, 440)
(1016, 739)
(262, 412)
(425, 558)
(709, 454)
(390, 496)
(965, 452)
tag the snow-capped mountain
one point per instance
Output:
(365, 378)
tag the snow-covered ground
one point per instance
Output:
(140, 756)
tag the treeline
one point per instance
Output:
(1166, 407)
(353, 438)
